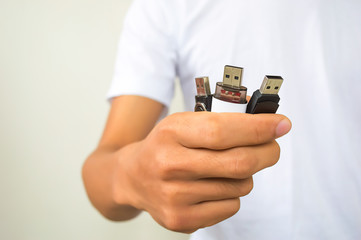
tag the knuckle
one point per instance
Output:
(172, 124)
(164, 162)
(174, 221)
(259, 133)
(161, 163)
(263, 131)
(245, 165)
(165, 128)
(164, 168)
(172, 193)
(167, 166)
(213, 130)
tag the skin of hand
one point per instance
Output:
(190, 170)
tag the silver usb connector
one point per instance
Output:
(271, 84)
(231, 89)
(232, 76)
(203, 87)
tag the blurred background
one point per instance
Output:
(56, 64)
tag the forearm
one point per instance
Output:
(127, 124)
(98, 176)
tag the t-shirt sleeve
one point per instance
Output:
(146, 57)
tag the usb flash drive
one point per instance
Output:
(266, 99)
(230, 95)
(204, 96)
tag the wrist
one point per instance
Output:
(124, 194)
(98, 176)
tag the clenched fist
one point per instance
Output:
(191, 169)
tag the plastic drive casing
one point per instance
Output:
(231, 94)
(223, 106)
(263, 103)
(203, 103)
(229, 99)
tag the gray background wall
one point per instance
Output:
(56, 63)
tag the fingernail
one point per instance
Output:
(283, 127)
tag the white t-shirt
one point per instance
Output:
(314, 192)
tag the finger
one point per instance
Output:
(227, 130)
(209, 213)
(217, 189)
(235, 163)
(193, 192)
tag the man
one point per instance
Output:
(189, 170)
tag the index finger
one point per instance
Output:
(227, 130)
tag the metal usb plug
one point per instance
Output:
(204, 96)
(266, 99)
(231, 89)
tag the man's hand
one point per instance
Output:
(190, 171)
